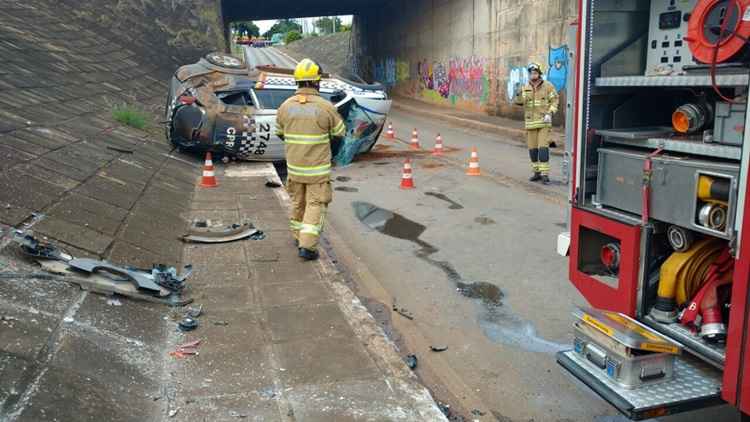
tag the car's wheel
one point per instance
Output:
(225, 60)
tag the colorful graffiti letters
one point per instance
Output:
(558, 67)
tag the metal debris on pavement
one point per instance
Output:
(173, 412)
(40, 276)
(168, 278)
(194, 312)
(439, 348)
(188, 324)
(270, 183)
(405, 313)
(122, 150)
(114, 302)
(234, 414)
(36, 248)
(206, 231)
(411, 361)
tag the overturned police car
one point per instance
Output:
(219, 105)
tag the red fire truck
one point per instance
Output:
(657, 243)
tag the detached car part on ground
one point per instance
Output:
(219, 105)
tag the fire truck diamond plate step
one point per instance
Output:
(695, 385)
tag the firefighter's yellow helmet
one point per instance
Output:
(307, 70)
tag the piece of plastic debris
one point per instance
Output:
(188, 324)
(68, 319)
(405, 313)
(114, 302)
(122, 150)
(194, 312)
(411, 361)
(173, 412)
(258, 235)
(439, 348)
(190, 348)
(270, 183)
(234, 414)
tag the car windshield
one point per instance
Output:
(273, 98)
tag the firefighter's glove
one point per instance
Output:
(547, 118)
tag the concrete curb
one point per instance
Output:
(512, 133)
(378, 345)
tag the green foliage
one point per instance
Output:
(130, 115)
(346, 28)
(292, 36)
(248, 28)
(327, 25)
(282, 26)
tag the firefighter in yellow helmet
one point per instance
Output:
(308, 123)
(540, 101)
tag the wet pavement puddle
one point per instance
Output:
(345, 189)
(498, 324)
(454, 205)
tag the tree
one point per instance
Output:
(326, 25)
(248, 28)
(282, 26)
(292, 36)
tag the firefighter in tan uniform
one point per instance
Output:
(539, 100)
(308, 123)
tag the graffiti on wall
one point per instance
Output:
(517, 77)
(558, 67)
(557, 72)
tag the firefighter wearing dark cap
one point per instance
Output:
(308, 123)
(539, 100)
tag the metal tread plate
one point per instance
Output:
(684, 146)
(695, 385)
(714, 353)
(677, 80)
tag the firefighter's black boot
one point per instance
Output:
(536, 177)
(544, 179)
(308, 255)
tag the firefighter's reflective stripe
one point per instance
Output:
(295, 225)
(339, 129)
(309, 171)
(311, 229)
(299, 139)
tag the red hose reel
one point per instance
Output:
(718, 30)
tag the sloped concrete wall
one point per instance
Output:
(167, 32)
(464, 53)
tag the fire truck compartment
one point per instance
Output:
(694, 385)
(674, 186)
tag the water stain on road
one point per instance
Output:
(454, 205)
(497, 323)
(345, 189)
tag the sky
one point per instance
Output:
(266, 25)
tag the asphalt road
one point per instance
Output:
(267, 56)
(473, 261)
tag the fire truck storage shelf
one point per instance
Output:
(703, 80)
(695, 385)
(686, 146)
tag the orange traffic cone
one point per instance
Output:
(438, 150)
(209, 177)
(414, 144)
(390, 134)
(474, 163)
(406, 180)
